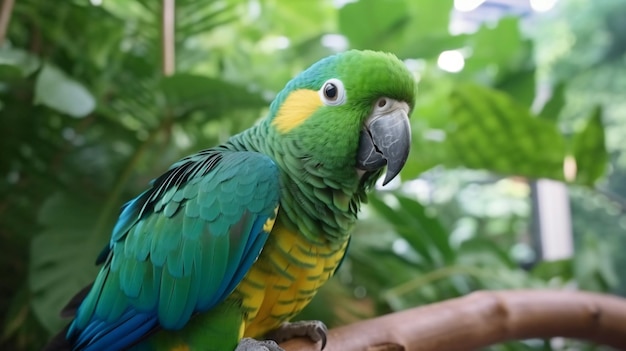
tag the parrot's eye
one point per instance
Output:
(332, 92)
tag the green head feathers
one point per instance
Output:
(366, 74)
(323, 111)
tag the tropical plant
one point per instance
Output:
(92, 109)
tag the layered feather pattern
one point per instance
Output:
(179, 248)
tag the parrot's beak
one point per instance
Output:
(385, 138)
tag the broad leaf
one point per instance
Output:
(20, 62)
(548, 270)
(552, 108)
(431, 227)
(406, 226)
(590, 150)
(424, 233)
(481, 252)
(186, 93)
(62, 257)
(62, 93)
(495, 46)
(591, 272)
(372, 24)
(427, 34)
(520, 86)
(489, 130)
(429, 18)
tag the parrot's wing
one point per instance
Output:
(179, 248)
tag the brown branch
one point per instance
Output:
(5, 17)
(485, 318)
(167, 36)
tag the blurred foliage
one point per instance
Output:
(88, 119)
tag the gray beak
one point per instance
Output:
(385, 138)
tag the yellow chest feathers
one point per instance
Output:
(284, 279)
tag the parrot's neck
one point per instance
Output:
(319, 202)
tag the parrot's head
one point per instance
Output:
(348, 114)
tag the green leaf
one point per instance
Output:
(187, 92)
(520, 86)
(590, 150)
(489, 130)
(372, 24)
(430, 227)
(429, 119)
(430, 46)
(405, 226)
(407, 28)
(17, 313)
(546, 270)
(299, 19)
(552, 108)
(62, 93)
(424, 233)
(593, 273)
(429, 18)
(21, 61)
(9, 73)
(62, 257)
(426, 35)
(495, 47)
(484, 252)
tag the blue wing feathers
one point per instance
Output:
(188, 254)
(168, 284)
(131, 275)
(192, 227)
(252, 246)
(192, 211)
(179, 248)
(137, 325)
(190, 190)
(171, 208)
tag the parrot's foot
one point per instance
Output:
(314, 330)
(249, 344)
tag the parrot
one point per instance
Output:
(229, 244)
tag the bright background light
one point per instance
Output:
(335, 42)
(274, 43)
(467, 5)
(542, 5)
(451, 61)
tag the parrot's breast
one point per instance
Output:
(285, 278)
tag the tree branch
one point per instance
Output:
(167, 36)
(5, 17)
(485, 318)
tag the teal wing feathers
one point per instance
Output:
(179, 248)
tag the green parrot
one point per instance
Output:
(232, 242)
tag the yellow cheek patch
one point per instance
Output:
(298, 106)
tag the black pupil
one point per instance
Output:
(330, 91)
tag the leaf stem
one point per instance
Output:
(5, 17)
(168, 54)
(168, 28)
(113, 198)
(430, 277)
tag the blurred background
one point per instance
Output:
(515, 178)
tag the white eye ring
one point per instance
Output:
(332, 92)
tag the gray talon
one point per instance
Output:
(314, 330)
(249, 344)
